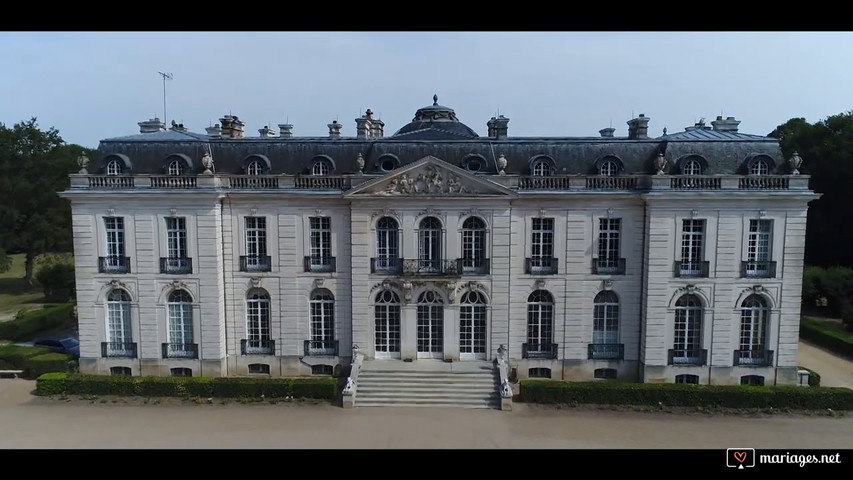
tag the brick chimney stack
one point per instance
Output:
(335, 130)
(285, 130)
(638, 128)
(232, 127)
(727, 125)
(153, 125)
(498, 127)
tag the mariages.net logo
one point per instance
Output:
(741, 458)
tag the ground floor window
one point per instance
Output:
(755, 380)
(539, 373)
(259, 368)
(120, 371)
(608, 373)
(182, 372)
(321, 370)
(694, 379)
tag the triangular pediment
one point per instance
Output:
(430, 176)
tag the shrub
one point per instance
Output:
(16, 356)
(46, 363)
(100, 385)
(29, 324)
(814, 377)
(51, 384)
(57, 279)
(686, 395)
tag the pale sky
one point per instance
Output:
(96, 85)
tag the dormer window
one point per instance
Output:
(759, 167)
(254, 168)
(541, 169)
(692, 167)
(114, 167)
(608, 168)
(175, 168)
(320, 168)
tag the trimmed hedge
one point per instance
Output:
(32, 322)
(222, 387)
(814, 377)
(825, 335)
(33, 361)
(685, 395)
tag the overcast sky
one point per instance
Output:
(97, 85)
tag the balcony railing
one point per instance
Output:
(110, 181)
(540, 266)
(180, 350)
(695, 182)
(543, 183)
(432, 267)
(606, 351)
(763, 182)
(694, 269)
(387, 265)
(539, 350)
(608, 266)
(695, 356)
(113, 264)
(759, 269)
(173, 181)
(176, 265)
(118, 349)
(321, 348)
(474, 266)
(252, 182)
(257, 347)
(319, 264)
(758, 357)
(611, 183)
(255, 263)
(323, 182)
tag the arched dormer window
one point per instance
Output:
(541, 169)
(474, 163)
(116, 164)
(175, 168)
(322, 165)
(542, 166)
(692, 165)
(320, 168)
(608, 166)
(256, 165)
(114, 167)
(759, 167)
(387, 162)
(254, 168)
(758, 164)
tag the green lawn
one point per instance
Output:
(14, 294)
(830, 326)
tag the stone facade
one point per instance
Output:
(575, 249)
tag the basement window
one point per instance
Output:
(182, 372)
(120, 371)
(259, 368)
(539, 373)
(754, 380)
(321, 370)
(605, 373)
(694, 379)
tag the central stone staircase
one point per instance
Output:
(468, 386)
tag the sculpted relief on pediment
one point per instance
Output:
(429, 181)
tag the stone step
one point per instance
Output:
(438, 393)
(453, 378)
(396, 402)
(400, 387)
(431, 381)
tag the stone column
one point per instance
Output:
(409, 332)
(451, 332)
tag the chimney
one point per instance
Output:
(608, 132)
(335, 129)
(214, 131)
(498, 127)
(727, 125)
(638, 128)
(266, 132)
(364, 125)
(232, 127)
(285, 130)
(378, 128)
(178, 127)
(153, 125)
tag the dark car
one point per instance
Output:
(69, 345)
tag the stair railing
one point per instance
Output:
(504, 389)
(349, 390)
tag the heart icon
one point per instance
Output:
(740, 456)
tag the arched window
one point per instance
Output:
(692, 167)
(259, 340)
(472, 325)
(254, 168)
(540, 326)
(180, 328)
(387, 162)
(387, 324)
(608, 168)
(429, 245)
(759, 167)
(430, 325)
(119, 332)
(541, 169)
(474, 246)
(387, 246)
(753, 332)
(175, 168)
(605, 330)
(320, 168)
(687, 345)
(114, 167)
(322, 323)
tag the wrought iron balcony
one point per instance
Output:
(176, 265)
(608, 266)
(321, 348)
(690, 268)
(474, 266)
(118, 349)
(257, 347)
(319, 264)
(540, 266)
(180, 350)
(758, 269)
(113, 264)
(539, 350)
(694, 356)
(419, 267)
(388, 265)
(255, 263)
(758, 357)
(606, 351)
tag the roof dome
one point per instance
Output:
(435, 122)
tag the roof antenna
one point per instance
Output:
(165, 76)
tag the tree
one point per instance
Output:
(826, 148)
(34, 166)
